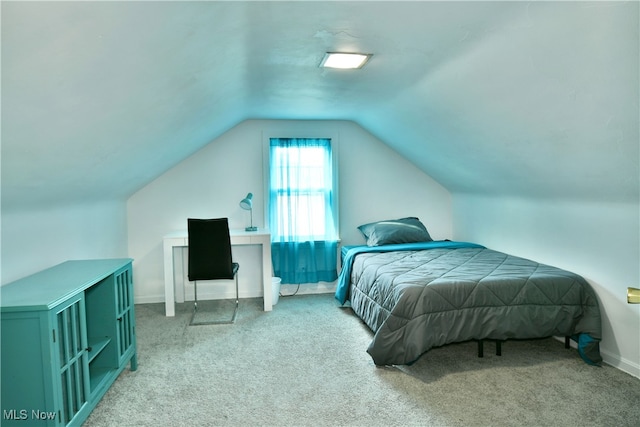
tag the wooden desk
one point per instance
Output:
(180, 239)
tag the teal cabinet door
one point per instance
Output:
(125, 315)
(70, 343)
(28, 369)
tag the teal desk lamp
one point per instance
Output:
(247, 204)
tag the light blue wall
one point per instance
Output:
(598, 240)
(36, 238)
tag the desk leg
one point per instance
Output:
(266, 276)
(169, 291)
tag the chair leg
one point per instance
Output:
(195, 303)
(235, 310)
(195, 295)
(217, 322)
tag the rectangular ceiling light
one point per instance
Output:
(344, 60)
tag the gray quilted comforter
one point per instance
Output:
(418, 296)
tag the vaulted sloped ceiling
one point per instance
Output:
(538, 99)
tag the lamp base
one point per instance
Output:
(251, 229)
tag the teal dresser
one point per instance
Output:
(67, 333)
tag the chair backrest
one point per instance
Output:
(209, 249)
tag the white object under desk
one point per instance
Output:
(180, 239)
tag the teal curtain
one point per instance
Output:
(302, 210)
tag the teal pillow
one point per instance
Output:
(403, 230)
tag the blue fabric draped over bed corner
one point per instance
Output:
(342, 289)
(588, 348)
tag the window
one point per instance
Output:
(302, 189)
(302, 209)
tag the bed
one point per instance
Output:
(417, 295)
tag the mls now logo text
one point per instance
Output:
(23, 414)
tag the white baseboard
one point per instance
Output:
(618, 362)
(148, 299)
(304, 289)
(308, 289)
(201, 296)
(613, 360)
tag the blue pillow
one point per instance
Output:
(403, 230)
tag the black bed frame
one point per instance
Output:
(567, 344)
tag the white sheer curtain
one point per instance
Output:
(302, 211)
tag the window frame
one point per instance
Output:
(334, 137)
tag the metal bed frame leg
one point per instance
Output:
(481, 348)
(567, 344)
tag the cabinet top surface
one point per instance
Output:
(47, 288)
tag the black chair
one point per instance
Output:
(210, 258)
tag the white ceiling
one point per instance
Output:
(534, 99)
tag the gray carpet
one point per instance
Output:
(305, 364)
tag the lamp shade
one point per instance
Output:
(246, 203)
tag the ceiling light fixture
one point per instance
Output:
(347, 61)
